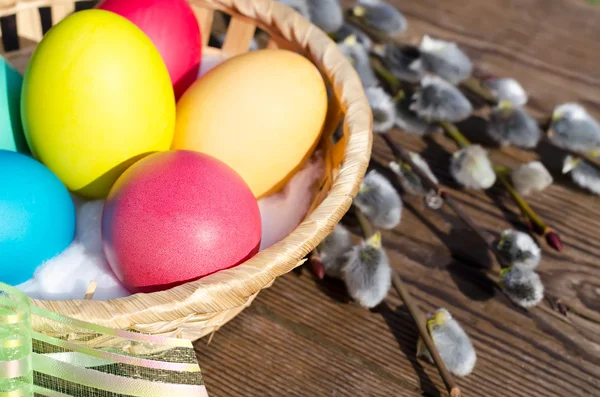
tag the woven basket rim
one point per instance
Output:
(236, 287)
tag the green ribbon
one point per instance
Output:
(31, 362)
(16, 371)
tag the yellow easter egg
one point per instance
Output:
(96, 97)
(261, 113)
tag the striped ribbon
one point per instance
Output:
(34, 363)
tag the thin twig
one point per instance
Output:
(365, 226)
(538, 224)
(535, 220)
(402, 156)
(544, 123)
(384, 74)
(502, 175)
(455, 134)
(475, 86)
(415, 313)
(417, 316)
(488, 239)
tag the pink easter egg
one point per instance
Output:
(176, 216)
(174, 30)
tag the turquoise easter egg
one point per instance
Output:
(37, 216)
(11, 129)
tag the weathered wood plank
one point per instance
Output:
(303, 338)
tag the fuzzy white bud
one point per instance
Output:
(439, 100)
(326, 14)
(368, 274)
(411, 182)
(379, 201)
(512, 125)
(472, 168)
(405, 64)
(452, 343)
(583, 174)
(409, 122)
(334, 250)
(350, 30)
(381, 16)
(524, 287)
(519, 249)
(358, 56)
(574, 128)
(507, 89)
(383, 109)
(445, 59)
(531, 177)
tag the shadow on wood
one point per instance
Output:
(407, 337)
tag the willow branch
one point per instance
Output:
(365, 226)
(476, 87)
(455, 134)
(417, 316)
(415, 313)
(402, 156)
(384, 74)
(501, 174)
(472, 84)
(551, 236)
(536, 221)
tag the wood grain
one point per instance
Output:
(305, 338)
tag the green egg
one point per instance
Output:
(11, 128)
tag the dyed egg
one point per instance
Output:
(176, 216)
(11, 129)
(96, 98)
(172, 27)
(37, 213)
(261, 113)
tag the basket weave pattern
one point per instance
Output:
(198, 308)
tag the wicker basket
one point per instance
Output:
(202, 307)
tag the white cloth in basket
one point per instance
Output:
(68, 275)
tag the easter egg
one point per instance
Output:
(11, 129)
(172, 27)
(37, 216)
(176, 216)
(96, 97)
(261, 113)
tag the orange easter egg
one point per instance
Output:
(261, 113)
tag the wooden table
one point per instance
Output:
(302, 337)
